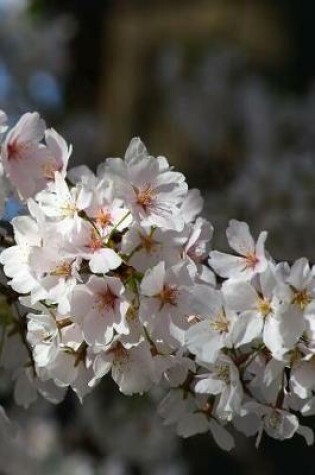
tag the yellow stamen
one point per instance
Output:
(147, 242)
(264, 307)
(301, 298)
(223, 373)
(68, 209)
(63, 270)
(221, 324)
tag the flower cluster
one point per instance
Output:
(113, 272)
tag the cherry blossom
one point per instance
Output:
(166, 300)
(149, 187)
(212, 328)
(252, 260)
(21, 151)
(101, 306)
(113, 274)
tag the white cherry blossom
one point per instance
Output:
(212, 328)
(149, 187)
(21, 151)
(277, 423)
(193, 416)
(252, 258)
(100, 306)
(131, 368)
(58, 154)
(15, 259)
(148, 246)
(88, 243)
(109, 275)
(261, 313)
(223, 380)
(63, 204)
(166, 300)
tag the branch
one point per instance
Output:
(9, 293)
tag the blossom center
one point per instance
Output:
(95, 242)
(103, 218)
(69, 209)
(15, 150)
(301, 298)
(147, 243)
(63, 270)
(106, 300)
(221, 324)
(49, 168)
(145, 196)
(168, 295)
(223, 373)
(120, 354)
(274, 420)
(251, 260)
(264, 307)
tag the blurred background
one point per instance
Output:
(226, 90)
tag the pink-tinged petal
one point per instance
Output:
(84, 198)
(153, 280)
(262, 262)
(136, 150)
(97, 329)
(192, 205)
(29, 128)
(58, 148)
(63, 369)
(300, 274)
(143, 172)
(272, 336)
(131, 369)
(104, 260)
(103, 364)
(239, 296)
(240, 238)
(81, 302)
(303, 379)
(150, 310)
(205, 301)
(248, 327)
(26, 231)
(229, 266)
(291, 326)
(268, 281)
(204, 342)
